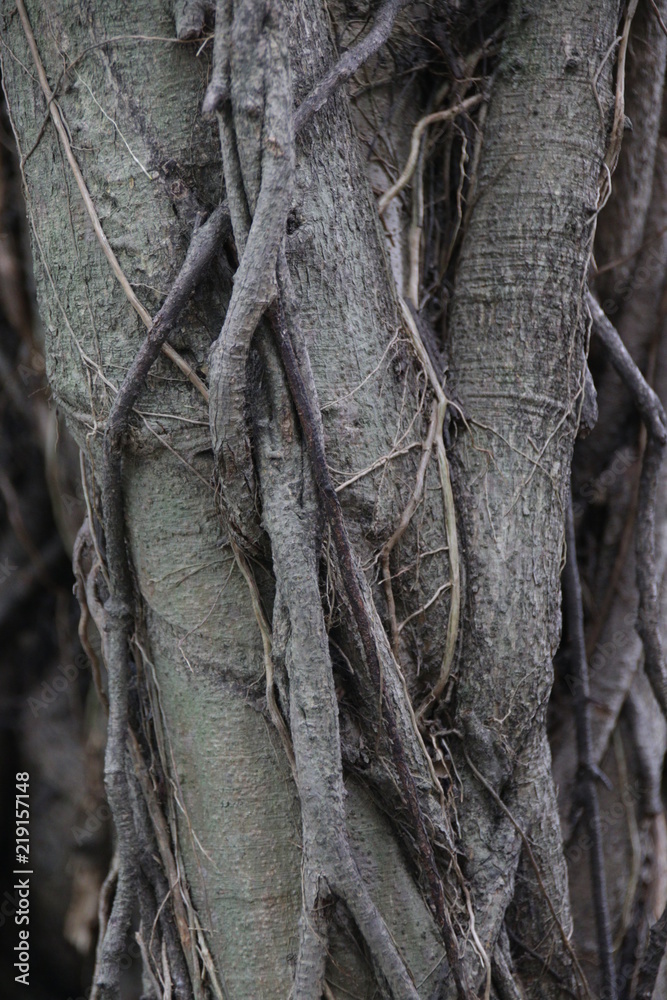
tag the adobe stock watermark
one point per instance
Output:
(582, 844)
(15, 905)
(6, 569)
(73, 501)
(604, 652)
(34, 368)
(66, 675)
(93, 822)
(652, 265)
(596, 490)
(131, 954)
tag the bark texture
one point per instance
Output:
(517, 340)
(313, 834)
(239, 831)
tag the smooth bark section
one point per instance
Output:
(516, 359)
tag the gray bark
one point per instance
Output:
(517, 333)
(258, 848)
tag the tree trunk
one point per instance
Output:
(311, 792)
(518, 339)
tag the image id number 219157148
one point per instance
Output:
(22, 885)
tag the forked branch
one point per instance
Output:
(351, 61)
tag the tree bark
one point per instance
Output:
(517, 347)
(275, 878)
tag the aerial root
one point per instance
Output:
(291, 344)
(256, 142)
(502, 977)
(567, 945)
(115, 644)
(83, 553)
(267, 646)
(650, 966)
(449, 512)
(259, 211)
(449, 114)
(291, 517)
(337, 869)
(162, 951)
(106, 982)
(655, 421)
(313, 939)
(406, 517)
(587, 769)
(351, 61)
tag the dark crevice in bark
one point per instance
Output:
(588, 771)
